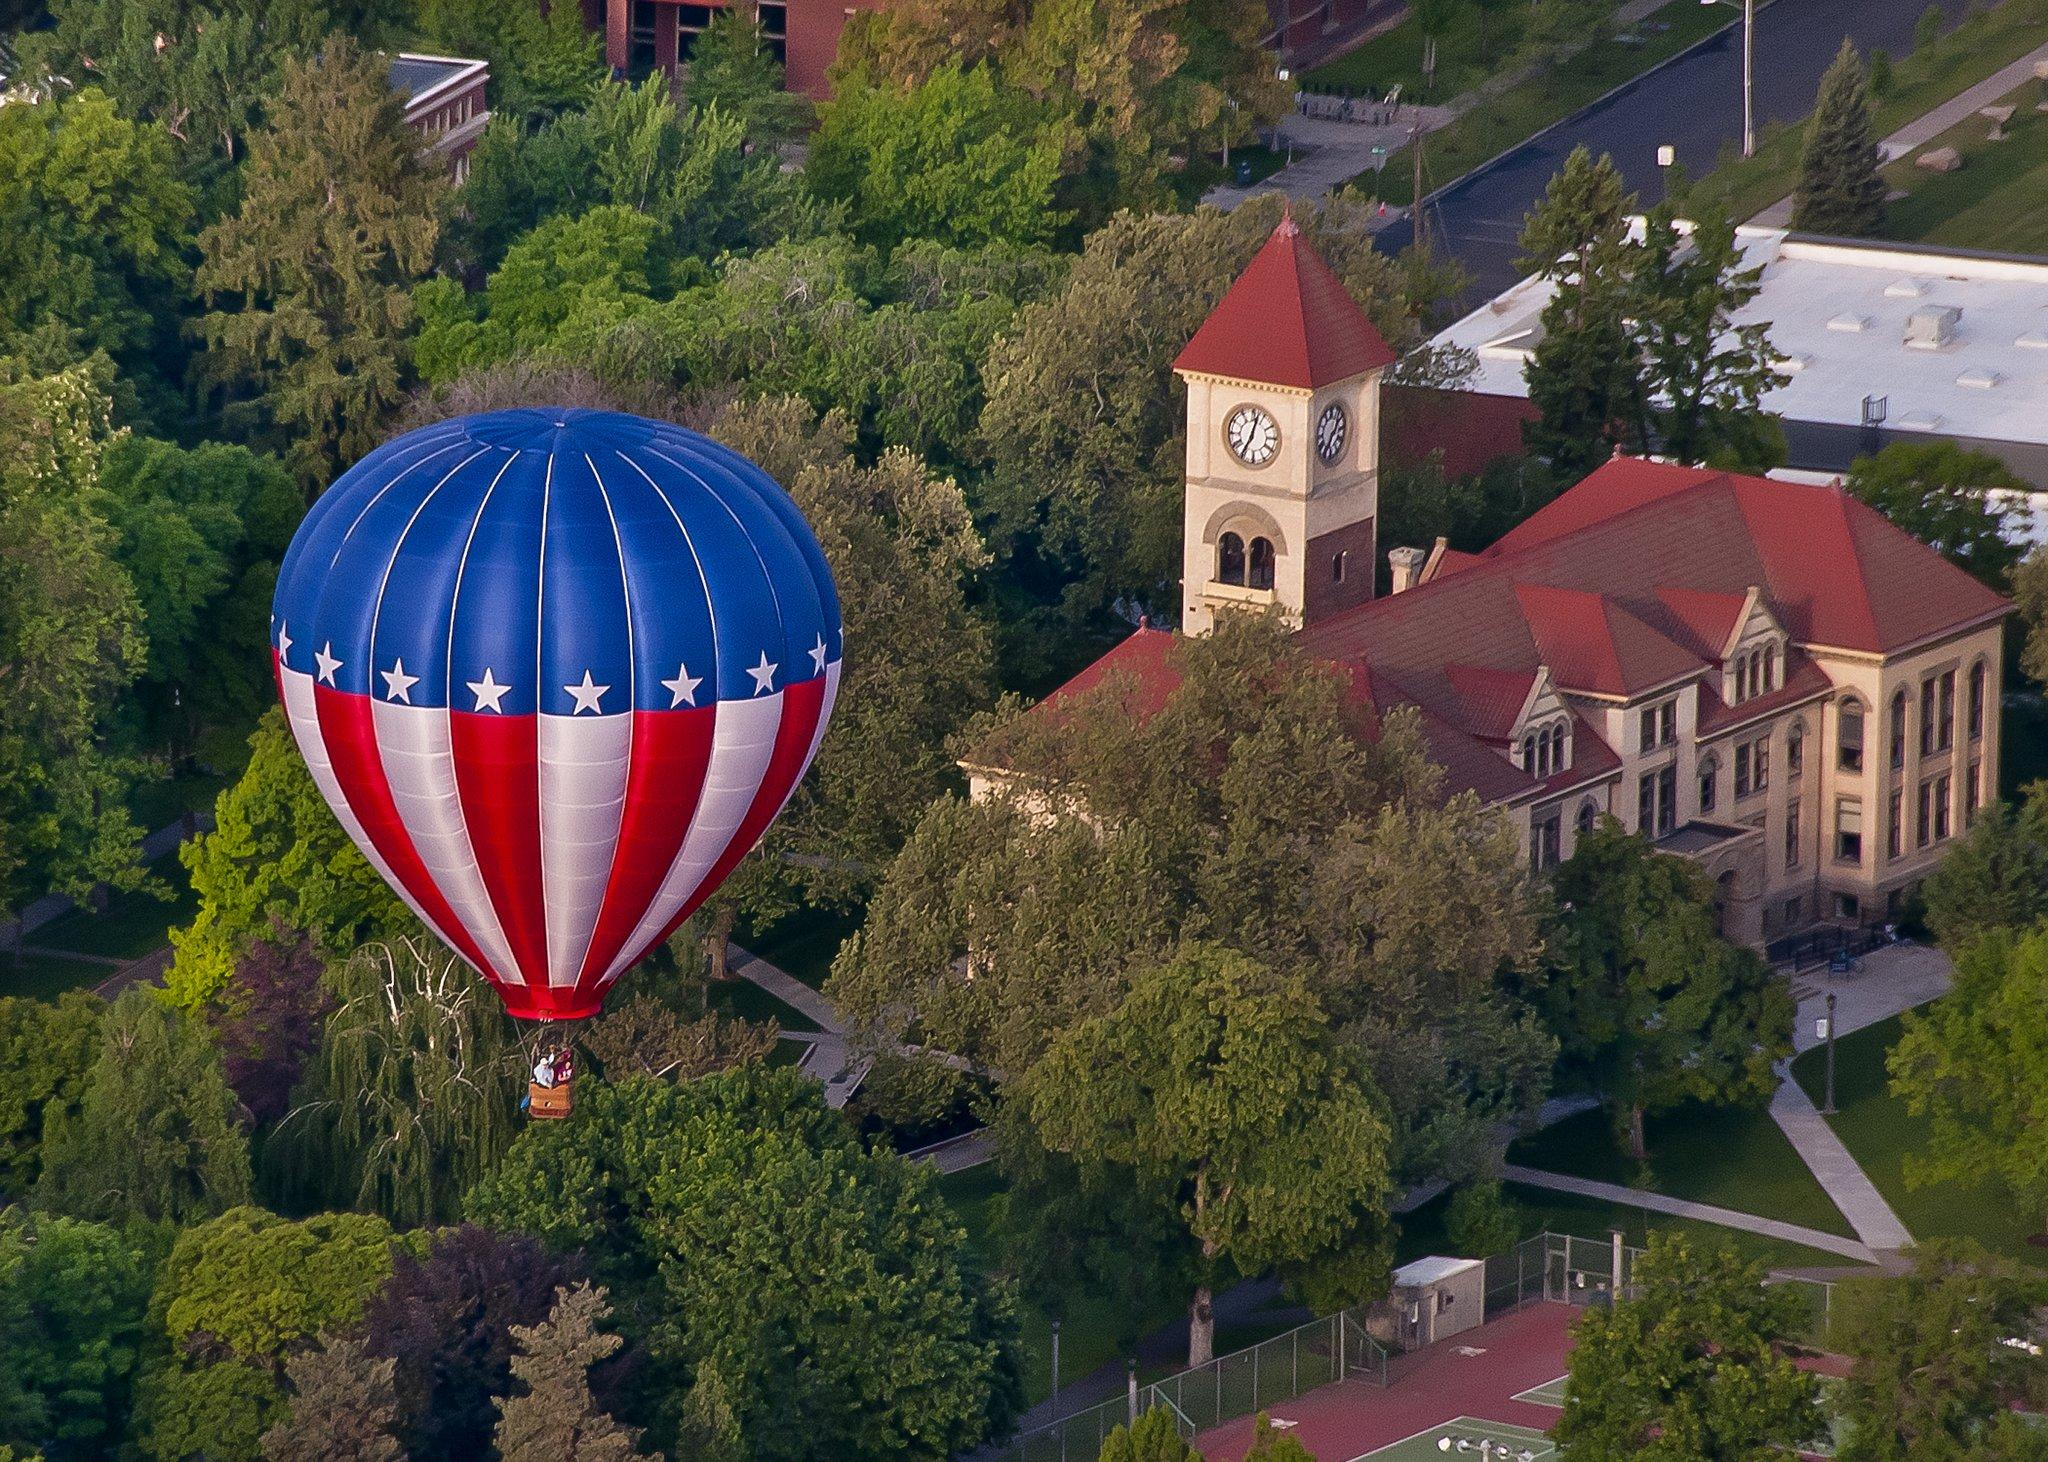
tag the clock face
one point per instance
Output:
(1331, 430)
(1252, 435)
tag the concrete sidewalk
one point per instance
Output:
(830, 1059)
(1838, 1173)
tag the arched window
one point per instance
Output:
(1230, 559)
(1898, 730)
(1529, 755)
(1849, 736)
(1770, 667)
(1977, 701)
(1262, 564)
(1795, 748)
(1589, 813)
(1710, 782)
(1559, 740)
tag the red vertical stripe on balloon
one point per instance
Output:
(350, 737)
(497, 778)
(801, 705)
(671, 750)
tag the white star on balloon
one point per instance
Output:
(764, 675)
(284, 641)
(683, 689)
(488, 692)
(327, 663)
(397, 684)
(818, 655)
(587, 695)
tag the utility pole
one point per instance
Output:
(1421, 229)
(1829, 1108)
(1055, 1360)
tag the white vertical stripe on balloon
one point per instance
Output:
(416, 750)
(582, 799)
(304, 717)
(742, 741)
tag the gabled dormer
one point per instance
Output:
(1753, 657)
(1543, 729)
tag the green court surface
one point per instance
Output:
(1469, 1437)
(1550, 1393)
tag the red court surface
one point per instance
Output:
(1341, 1422)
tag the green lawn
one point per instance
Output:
(1734, 1157)
(46, 976)
(1921, 82)
(802, 942)
(134, 924)
(1472, 48)
(1520, 112)
(1880, 1132)
(162, 802)
(1998, 199)
(739, 999)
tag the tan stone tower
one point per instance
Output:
(1283, 386)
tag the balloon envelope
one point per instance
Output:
(556, 671)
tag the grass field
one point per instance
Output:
(1471, 50)
(1734, 1157)
(1998, 199)
(1881, 1133)
(1520, 112)
(1921, 82)
(45, 977)
(802, 942)
(134, 924)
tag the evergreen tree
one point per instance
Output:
(155, 1140)
(1272, 1444)
(313, 273)
(732, 69)
(1154, 1437)
(556, 1417)
(47, 1050)
(343, 1407)
(1839, 190)
(1585, 379)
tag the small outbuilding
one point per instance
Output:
(1438, 1297)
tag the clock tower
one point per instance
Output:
(1283, 451)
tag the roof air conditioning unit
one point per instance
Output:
(1932, 327)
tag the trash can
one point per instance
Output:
(1244, 173)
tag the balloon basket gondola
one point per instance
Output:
(548, 1103)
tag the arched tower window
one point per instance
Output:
(1262, 564)
(1230, 559)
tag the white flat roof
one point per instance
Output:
(1433, 1270)
(1837, 311)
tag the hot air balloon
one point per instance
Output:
(556, 671)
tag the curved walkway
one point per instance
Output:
(1770, 1228)
(829, 1059)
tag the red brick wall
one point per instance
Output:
(1322, 595)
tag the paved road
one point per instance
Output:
(1694, 104)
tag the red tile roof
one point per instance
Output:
(1701, 620)
(1491, 700)
(1143, 660)
(1287, 321)
(1591, 643)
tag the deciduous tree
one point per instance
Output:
(646, 1036)
(543, 57)
(342, 1406)
(72, 1296)
(733, 71)
(1839, 190)
(311, 277)
(1965, 505)
(556, 1416)
(268, 1020)
(1975, 1063)
(1218, 1085)
(1995, 877)
(1153, 1437)
(1687, 1366)
(47, 1050)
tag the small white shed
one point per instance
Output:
(1437, 1297)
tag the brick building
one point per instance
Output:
(444, 103)
(1766, 677)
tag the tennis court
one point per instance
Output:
(1470, 1438)
(1550, 1393)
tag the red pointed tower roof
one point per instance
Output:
(1287, 321)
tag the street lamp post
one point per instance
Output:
(1055, 1360)
(1748, 71)
(1829, 1108)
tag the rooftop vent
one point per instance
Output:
(1849, 324)
(1979, 378)
(1932, 327)
(1905, 289)
(1792, 365)
(2032, 340)
(1920, 421)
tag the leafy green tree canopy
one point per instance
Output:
(47, 1051)
(72, 1297)
(1960, 503)
(1996, 876)
(543, 57)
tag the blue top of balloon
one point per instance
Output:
(560, 550)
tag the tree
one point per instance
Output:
(1996, 875)
(268, 1020)
(236, 1298)
(557, 1416)
(414, 1094)
(1269, 1444)
(277, 859)
(1584, 379)
(155, 1140)
(1839, 190)
(71, 640)
(1480, 1221)
(93, 227)
(338, 218)
(1935, 1368)
(1704, 375)
(733, 72)
(1153, 1437)
(1963, 504)
(741, 1222)
(72, 1296)
(442, 1317)
(543, 57)
(1217, 1084)
(646, 1036)
(1649, 1002)
(2030, 593)
(47, 1050)
(958, 158)
(342, 1407)
(1687, 1366)
(1975, 1063)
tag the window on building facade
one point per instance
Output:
(1795, 910)
(1898, 730)
(1770, 668)
(1795, 749)
(1230, 560)
(1546, 842)
(1792, 833)
(1923, 827)
(1848, 906)
(1667, 800)
(1849, 830)
(1710, 778)
(1895, 825)
(1260, 575)
(1945, 726)
(1589, 813)
(1973, 793)
(1944, 790)
(1646, 803)
(1849, 737)
(1337, 565)
(1667, 723)
(1927, 716)
(1977, 701)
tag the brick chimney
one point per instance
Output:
(1407, 564)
